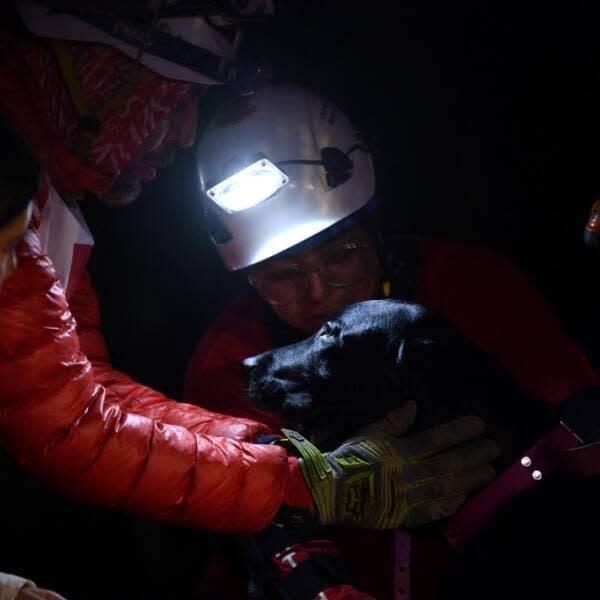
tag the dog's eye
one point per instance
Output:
(327, 330)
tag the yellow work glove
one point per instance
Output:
(377, 481)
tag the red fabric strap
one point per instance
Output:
(296, 491)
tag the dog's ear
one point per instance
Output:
(415, 351)
(298, 401)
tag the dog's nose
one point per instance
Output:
(249, 363)
(253, 362)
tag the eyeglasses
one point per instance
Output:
(343, 266)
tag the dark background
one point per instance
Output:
(486, 120)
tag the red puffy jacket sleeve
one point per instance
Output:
(495, 305)
(94, 433)
(133, 397)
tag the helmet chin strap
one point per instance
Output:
(90, 121)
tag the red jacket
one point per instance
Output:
(65, 413)
(93, 432)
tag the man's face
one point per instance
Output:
(10, 234)
(352, 253)
(157, 151)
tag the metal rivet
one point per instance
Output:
(537, 475)
(526, 461)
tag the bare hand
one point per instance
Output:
(35, 593)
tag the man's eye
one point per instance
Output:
(279, 276)
(340, 256)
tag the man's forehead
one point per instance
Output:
(196, 90)
(192, 95)
(355, 233)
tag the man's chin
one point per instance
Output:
(122, 194)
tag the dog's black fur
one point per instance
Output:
(373, 356)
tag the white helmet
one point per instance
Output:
(275, 169)
(179, 39)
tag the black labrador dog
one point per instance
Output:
(373, 356)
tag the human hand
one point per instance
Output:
(35, 593)
(380, 482)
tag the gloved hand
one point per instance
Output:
(380, 482)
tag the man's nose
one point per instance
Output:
(183, 124)
(315, 286)
(8, 264)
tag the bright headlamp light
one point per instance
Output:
(248, 187)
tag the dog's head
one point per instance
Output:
(365, 360)
(374, 356)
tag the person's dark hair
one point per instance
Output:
(19, 174)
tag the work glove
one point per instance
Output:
(377, 481)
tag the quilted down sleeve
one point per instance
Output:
(136, 398)
(496, 306)
(109, 441)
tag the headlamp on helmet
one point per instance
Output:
(248, 186)
(277, 169)
(185, 40)
(253, 184)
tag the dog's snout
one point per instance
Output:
(259, 362)
(249, 363)
(264, 366)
